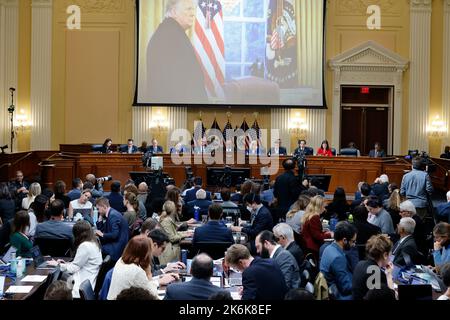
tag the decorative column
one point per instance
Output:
(280, 120)
(316, 121)
(9, 54)
(142, 117)
(177, 119)
(419, 88)
(41, 74)
(446, 73)
(336, 126)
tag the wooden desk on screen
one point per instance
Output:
(345, 171)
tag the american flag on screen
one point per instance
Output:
(209, 44)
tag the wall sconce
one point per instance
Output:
(159, 122)
(437, 129)
(298, 126)
(22, 123)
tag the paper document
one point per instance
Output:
(19, 289)
(34, 278)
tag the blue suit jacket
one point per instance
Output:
(213, 231)
(115, 234)
(190, 195)
(263, 280)
(443, 211)
(134, 149)
(196, 289)
(381, 154)
(263, 221)
(159, 149)
(203, 204)
(116, 201)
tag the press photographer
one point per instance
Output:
(97, 192)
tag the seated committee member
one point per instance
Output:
(254, 149)
(267, 247)
(88, 257)
(324, 149)
(446, 154)
(377, 152)
(106, 147)
(179, 148)
(133, 269)
(18, 238)
(277, 149)
(112, 229)
(130, 147)
(334, 264)
(261, 278)
(143, 148)
(352, 145)
(214, 230)
(378, 250)
(56, 227)
(199, 287)
(405, 250)
(174, 73)
(303, 149)
(155, 148)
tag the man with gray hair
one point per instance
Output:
(380, 187)
(285, 237)
(174, 74)
(408, 210)
(200, 202)
(405, 250)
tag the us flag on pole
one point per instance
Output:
(209, 44)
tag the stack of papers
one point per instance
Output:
(34, 279)
(19, 289)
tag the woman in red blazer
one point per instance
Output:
(324, 149)
(312, 233)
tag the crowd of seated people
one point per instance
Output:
(142, 245)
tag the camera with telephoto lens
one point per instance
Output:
(104, 179)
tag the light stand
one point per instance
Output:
(11, 110)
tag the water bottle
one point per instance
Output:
(333, 223)
(184, 256)
(197, 213)
(95, 217)
(350, 218)
(13, 263)
(19, 268)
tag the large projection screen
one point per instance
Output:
(230, 53)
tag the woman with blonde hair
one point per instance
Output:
(295, 214)
(35, 190)
(168, 224)
(393, 206)
(313, 235)
(131, 202)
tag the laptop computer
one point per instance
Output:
(8, 255)
(415, 292)
(38, 258)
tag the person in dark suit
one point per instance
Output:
(407, 209)
(380, 188)
(143, 147)
(365, 229)
(287, 188)
(115, 197)
(112, 229)
(446, 154)
(405, 250)
(303, 149)
(214, 230)
(443, 210)
(267, 247)
(199, 288)
(130, 147)
(378, 152)
(261, 219)
(277, 149)
(106, 147)
(191, 194)
(200, 202)
(7, 204)
(255, 149)
(262, 279)
(155, 148)
(20, 187)
(174, 74)
(285, 237)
